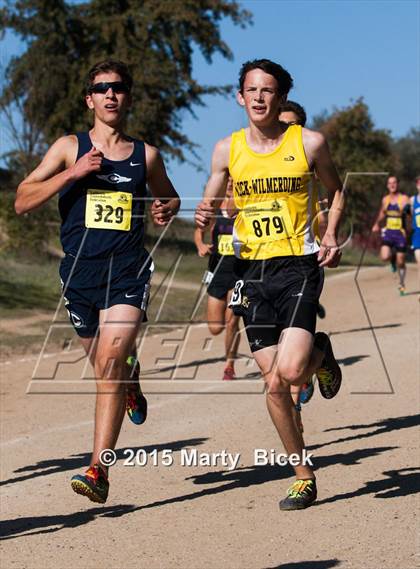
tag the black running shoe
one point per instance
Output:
(329, 373)
(300, 495)
(321, 310)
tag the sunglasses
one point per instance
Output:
(116, 86)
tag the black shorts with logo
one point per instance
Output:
(226, 270)
(276, 294)
(91, 285)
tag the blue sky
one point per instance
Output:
(336, 51)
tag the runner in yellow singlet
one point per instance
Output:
(276, 231)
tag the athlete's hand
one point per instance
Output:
(204, 250)
(376, 228)
(204, 213)
(162, 212)
(89, 162)
(329, 253)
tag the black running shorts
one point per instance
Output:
(226, 270)
(276, 294)
(92, 285)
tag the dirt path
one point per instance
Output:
(365, 446)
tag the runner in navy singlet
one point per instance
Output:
(394, 208)
(221, 277)
(101, 178)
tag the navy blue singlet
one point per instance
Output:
(127, 176)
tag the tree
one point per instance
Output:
(358, 147)
(407, 149)
(155, 38)
(42, 95)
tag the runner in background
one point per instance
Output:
(292, 113)
(220, 279)
(415, 214)
(393, 211)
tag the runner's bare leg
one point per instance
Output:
(232, 337)
(118, 329)
(293, 361)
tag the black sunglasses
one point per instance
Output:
(116, 86)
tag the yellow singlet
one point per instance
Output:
(394, 214)
(276, 199)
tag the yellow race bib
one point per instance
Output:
(394, 223)
(267, 221)
(225, 245)
(108, 209)
(418, 220)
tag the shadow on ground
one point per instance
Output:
(382, 426)
(352, 360)
(319, 564)
(396, 483)
(21, 527)
(365, 329)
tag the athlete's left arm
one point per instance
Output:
(407, 214)
(168, 202)
(318, 153)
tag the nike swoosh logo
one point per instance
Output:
(135, 164)
(130, 295)
(298, 294)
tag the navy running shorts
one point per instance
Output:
(92, 285)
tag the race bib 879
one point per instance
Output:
(267, 221)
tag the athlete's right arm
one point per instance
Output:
(216, 186)
(57, 169)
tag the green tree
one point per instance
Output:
(358, 148)
(155, 38)
(407, 149)
(42, 95)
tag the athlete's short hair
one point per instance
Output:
(109, 66)
(292, 107)
(283, 77)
